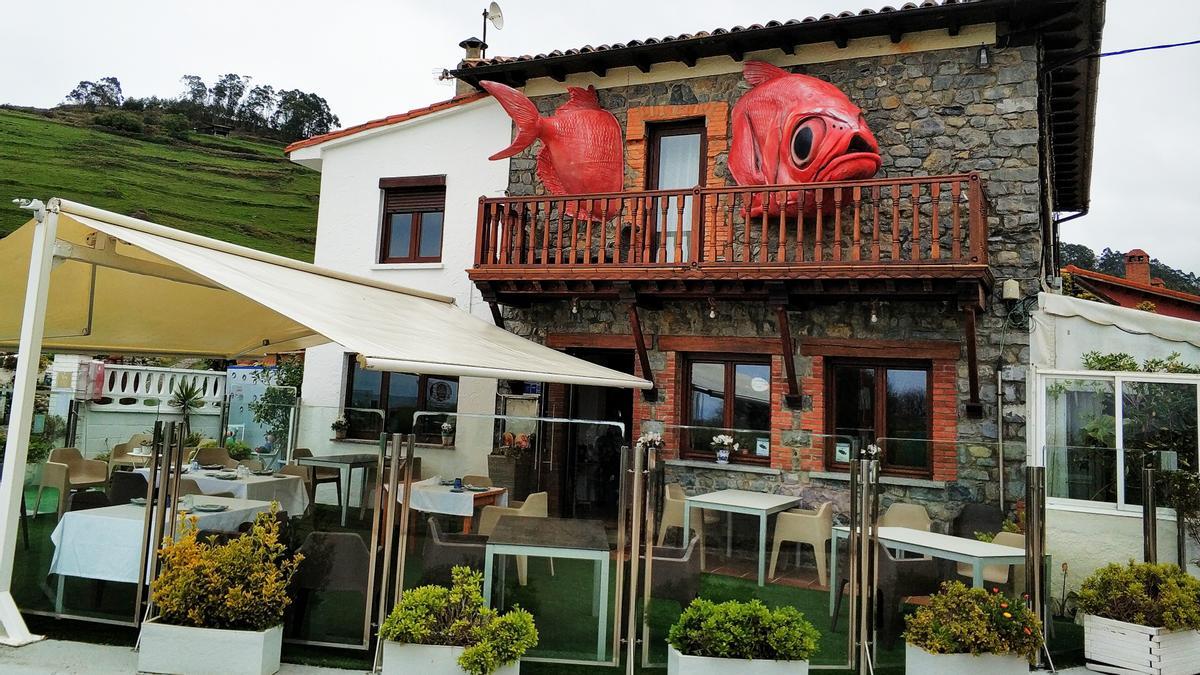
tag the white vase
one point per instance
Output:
(683, 664)
(185, 650)
(400, 658)
(1141, 649)
(917, 660)
(723, 456)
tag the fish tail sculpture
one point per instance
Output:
(582, 147)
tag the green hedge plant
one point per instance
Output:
(743, 630)
(1157, 596)
(458, 617)
(961, 620)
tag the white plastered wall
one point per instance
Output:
(455, 143)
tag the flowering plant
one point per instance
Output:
(961, 620)
(649, 441)
(447, 427)
(339, 424)
(723, 442)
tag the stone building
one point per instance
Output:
(879, 319)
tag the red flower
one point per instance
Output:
(995, 589)
(1027, 631)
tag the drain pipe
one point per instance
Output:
(1000, 429)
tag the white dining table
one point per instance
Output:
(288, 490)
(106, 543)
(959, 549)
(759, 504)
(430, 496)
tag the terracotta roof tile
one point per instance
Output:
(387, 121)
(1126, 283)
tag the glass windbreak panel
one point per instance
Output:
(752, 396)
(431, 235)
(328, 491)
(854, 408)
(1080, 436)
(1158, 421)
(364, 394)
(533, 504)
(718, 539)
(399, 240)
(403, 395)
(907, 414)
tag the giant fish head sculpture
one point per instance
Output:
(582, 149)
(791, 128)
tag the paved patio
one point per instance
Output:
(60, 657)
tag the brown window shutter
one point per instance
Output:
(414, 199)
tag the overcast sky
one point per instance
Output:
(375, 58)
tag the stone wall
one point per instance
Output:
(933, 113)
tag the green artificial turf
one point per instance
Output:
(234, 189)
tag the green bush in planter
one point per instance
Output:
(743, 630)
(961, 620)
(1159, 596)
(458, 617)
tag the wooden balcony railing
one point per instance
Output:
(912, 220)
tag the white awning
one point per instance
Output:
(123, 285)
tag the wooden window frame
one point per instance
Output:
(414, 241)
(881, 366)
(422, 189)
(384, 384)
(656, 130)
(729, 361)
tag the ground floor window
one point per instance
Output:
(887, 403)
(726, 394)
(378, 402)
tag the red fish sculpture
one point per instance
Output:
(791, 128)
(582, 151)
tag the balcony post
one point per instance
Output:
(978, 226)
(697, 226)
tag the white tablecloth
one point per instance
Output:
(287, 490)
(432, 497)
(103, 543)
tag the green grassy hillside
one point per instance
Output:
(233, 189)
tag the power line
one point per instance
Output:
(1146, 49)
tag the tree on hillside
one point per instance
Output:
(258, 107)
(301, 115)
(227, 94)
(1111, 262)
(104, 93)
(1077, 255)
(195, 91)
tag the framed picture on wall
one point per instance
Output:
(762, 446)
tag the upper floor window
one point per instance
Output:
(413, 214)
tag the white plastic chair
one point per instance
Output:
(535, 506)
(805, 526)
(672, 516)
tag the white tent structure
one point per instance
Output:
(99, 282)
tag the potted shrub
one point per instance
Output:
(969, 630)
(1141, 615)
(219, 606)
(436, 630)
(447, 434)
(747, 638)
(339, 427)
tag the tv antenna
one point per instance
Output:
(496, 17)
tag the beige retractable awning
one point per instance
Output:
(122, 285)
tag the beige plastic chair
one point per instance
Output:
(252, 464)
(80, 474)
(321, 474)
(207, 456)
(995, 574)
(120, 457)
(189, 486)
(672, 516)
(805, 526)
(535, 506)
(912, 516)
(478, 481)
(54, 475)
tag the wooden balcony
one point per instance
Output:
(914, 236)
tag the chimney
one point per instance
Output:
(474, 48)
(1137, 266)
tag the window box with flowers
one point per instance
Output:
(969, 630)
(233, 622)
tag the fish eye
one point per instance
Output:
(805, 140)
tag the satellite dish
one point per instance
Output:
(495, 16)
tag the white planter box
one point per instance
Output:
(682, 664)
(400, 658)
(183, 650)
(1118, 647)
(917, 660)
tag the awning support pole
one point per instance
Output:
(29, 354)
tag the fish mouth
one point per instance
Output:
(850, 166)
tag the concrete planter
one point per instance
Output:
(400, 658)
(184, 650)
(1112, 646)
(512, 473)
(682, 664)
(917, 660)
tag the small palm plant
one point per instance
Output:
(188, 397)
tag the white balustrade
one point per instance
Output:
(148, 388)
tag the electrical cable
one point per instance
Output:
(1146, 49)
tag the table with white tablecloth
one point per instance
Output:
(430, 496)
(105, 543)
(289, 491)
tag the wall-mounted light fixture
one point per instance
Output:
(712, 307)
(874, 311)
(984, 58)
(1010, 291)
(574, 305)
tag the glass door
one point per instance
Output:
(676, 162)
